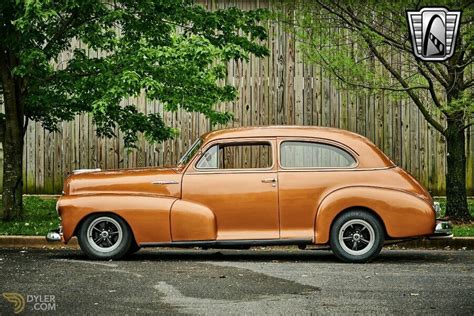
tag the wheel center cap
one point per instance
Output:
(356, 236)
(104, 234)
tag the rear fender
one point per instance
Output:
(403, 214)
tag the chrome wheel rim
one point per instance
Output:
(104, 234)
(357, 237)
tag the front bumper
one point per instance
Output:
(55, 235)
(443, 230)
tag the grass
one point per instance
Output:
(460, 230)
(40, 217)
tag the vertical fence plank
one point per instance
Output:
(281, 75)
(39, 164)
(48, 162)
(30, 158)
(415, 145)
(290, 79)
(406, 146)
(470, 160)
(423, 150)
(308, 94)
(58, 166)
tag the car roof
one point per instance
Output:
(277, 131)
(369, 155)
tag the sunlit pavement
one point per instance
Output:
(239, 282)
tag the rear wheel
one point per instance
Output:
(104, 237)
(357, 236)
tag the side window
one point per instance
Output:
(237, 156)
(209, 159)
(295, 154)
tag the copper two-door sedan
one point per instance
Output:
(253, 186)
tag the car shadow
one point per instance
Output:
(273, 256)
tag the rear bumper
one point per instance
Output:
(443, 230)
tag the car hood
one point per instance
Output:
(154, 181)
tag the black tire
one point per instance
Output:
(118, 234)
(357, 236)
(133, 248)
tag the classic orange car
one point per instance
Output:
(252, 186)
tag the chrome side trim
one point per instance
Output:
(78, 171)
(229, 243)
(165, 182)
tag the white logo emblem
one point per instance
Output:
(433, 32)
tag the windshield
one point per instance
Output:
(190, 152)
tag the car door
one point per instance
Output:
(237, 179)
(309, 169)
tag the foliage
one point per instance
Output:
(346, 39)
(175, 52)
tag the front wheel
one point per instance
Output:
(357, 236)
(104, 237)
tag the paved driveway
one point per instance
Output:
(239, 282)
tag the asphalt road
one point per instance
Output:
(239, 282)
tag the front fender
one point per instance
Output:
(192, 221)
(403, 214)
(148, 216)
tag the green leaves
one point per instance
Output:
(174, 52)
(366, 46)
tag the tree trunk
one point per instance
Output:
(12, 172)
(12, 142)
(456, 197)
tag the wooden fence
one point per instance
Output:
(279, 89)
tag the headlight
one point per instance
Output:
(437, 209)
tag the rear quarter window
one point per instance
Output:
(298, 154)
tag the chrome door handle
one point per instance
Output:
(165, 182)
(269, 180)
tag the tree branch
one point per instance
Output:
(353, 22)
(440, 76)
(386, 38)
(431, 88)
(59, 32)
(358, 84)
(468, 125)
(413, 96)
(468, 84)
